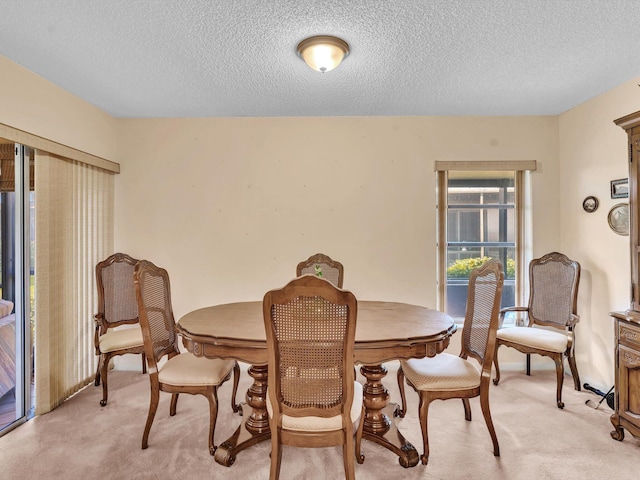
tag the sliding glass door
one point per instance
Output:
(16, 283)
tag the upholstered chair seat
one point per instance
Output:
(322, 424)
(443, 372)
(535, 338)
(120, 339)
(188, 370)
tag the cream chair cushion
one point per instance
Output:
(188, 370)
(321, 424)
(540, 338)
(442, 372)
(6, 307)
(121, 338)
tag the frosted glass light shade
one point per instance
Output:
(323, 53)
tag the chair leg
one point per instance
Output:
(529, 364)
(348, 455)
(486, 412)
(236, 380)
(574, 371)
(174, 404)
(423, 413)
(212, 396)
(276, 455)
(403, 408)
(467, 409)
(359, 456)
(106, 358)
(560, 377)
(153, 407)
(497, 367)
(96, 382)
(144, 363)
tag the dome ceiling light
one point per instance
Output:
(323, 53)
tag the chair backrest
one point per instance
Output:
(328, 268)
(483, 310)
(310, 327)
(553, 294)
(153, 294)
(116, 294)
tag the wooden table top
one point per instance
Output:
(384, 330)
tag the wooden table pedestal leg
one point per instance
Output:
(378, 421)
(255, 420)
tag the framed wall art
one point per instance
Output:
(590, 204)
(620, 188)
(619, 218)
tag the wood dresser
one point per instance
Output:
(627, 324)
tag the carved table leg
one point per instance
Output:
(378, 421)
(255, 420)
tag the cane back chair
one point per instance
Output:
(313, 398)
(449, 376)
(553, 298)
(182, 372)
(117, 306)
(323, 266)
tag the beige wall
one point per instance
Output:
(30, 103)
(229, 206)
(593, 151)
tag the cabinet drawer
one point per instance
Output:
(629, 335)
(629, 359)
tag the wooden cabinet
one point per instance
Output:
(627, 412)
(627, 323)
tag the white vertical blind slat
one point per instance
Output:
(74, 231)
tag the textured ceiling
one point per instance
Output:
(237, 58)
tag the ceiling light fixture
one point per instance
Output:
(323, 53)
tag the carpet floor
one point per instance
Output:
(81, 440)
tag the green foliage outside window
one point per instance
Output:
(462, 268)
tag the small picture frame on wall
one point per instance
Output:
(620, 188)
(590, 204)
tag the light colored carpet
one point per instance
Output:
(81, 440)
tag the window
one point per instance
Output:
(481, 216)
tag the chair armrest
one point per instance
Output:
(100, 329)
(505, 310)
(573, 320)
(513, 309)
(98, 318)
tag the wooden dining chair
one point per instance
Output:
(551, 317)
(313, 398)
(182, 372)
(322, 266)
(117, 307)
(467, 375)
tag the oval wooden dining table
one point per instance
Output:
(385, 331)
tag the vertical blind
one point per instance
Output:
(73, 231)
